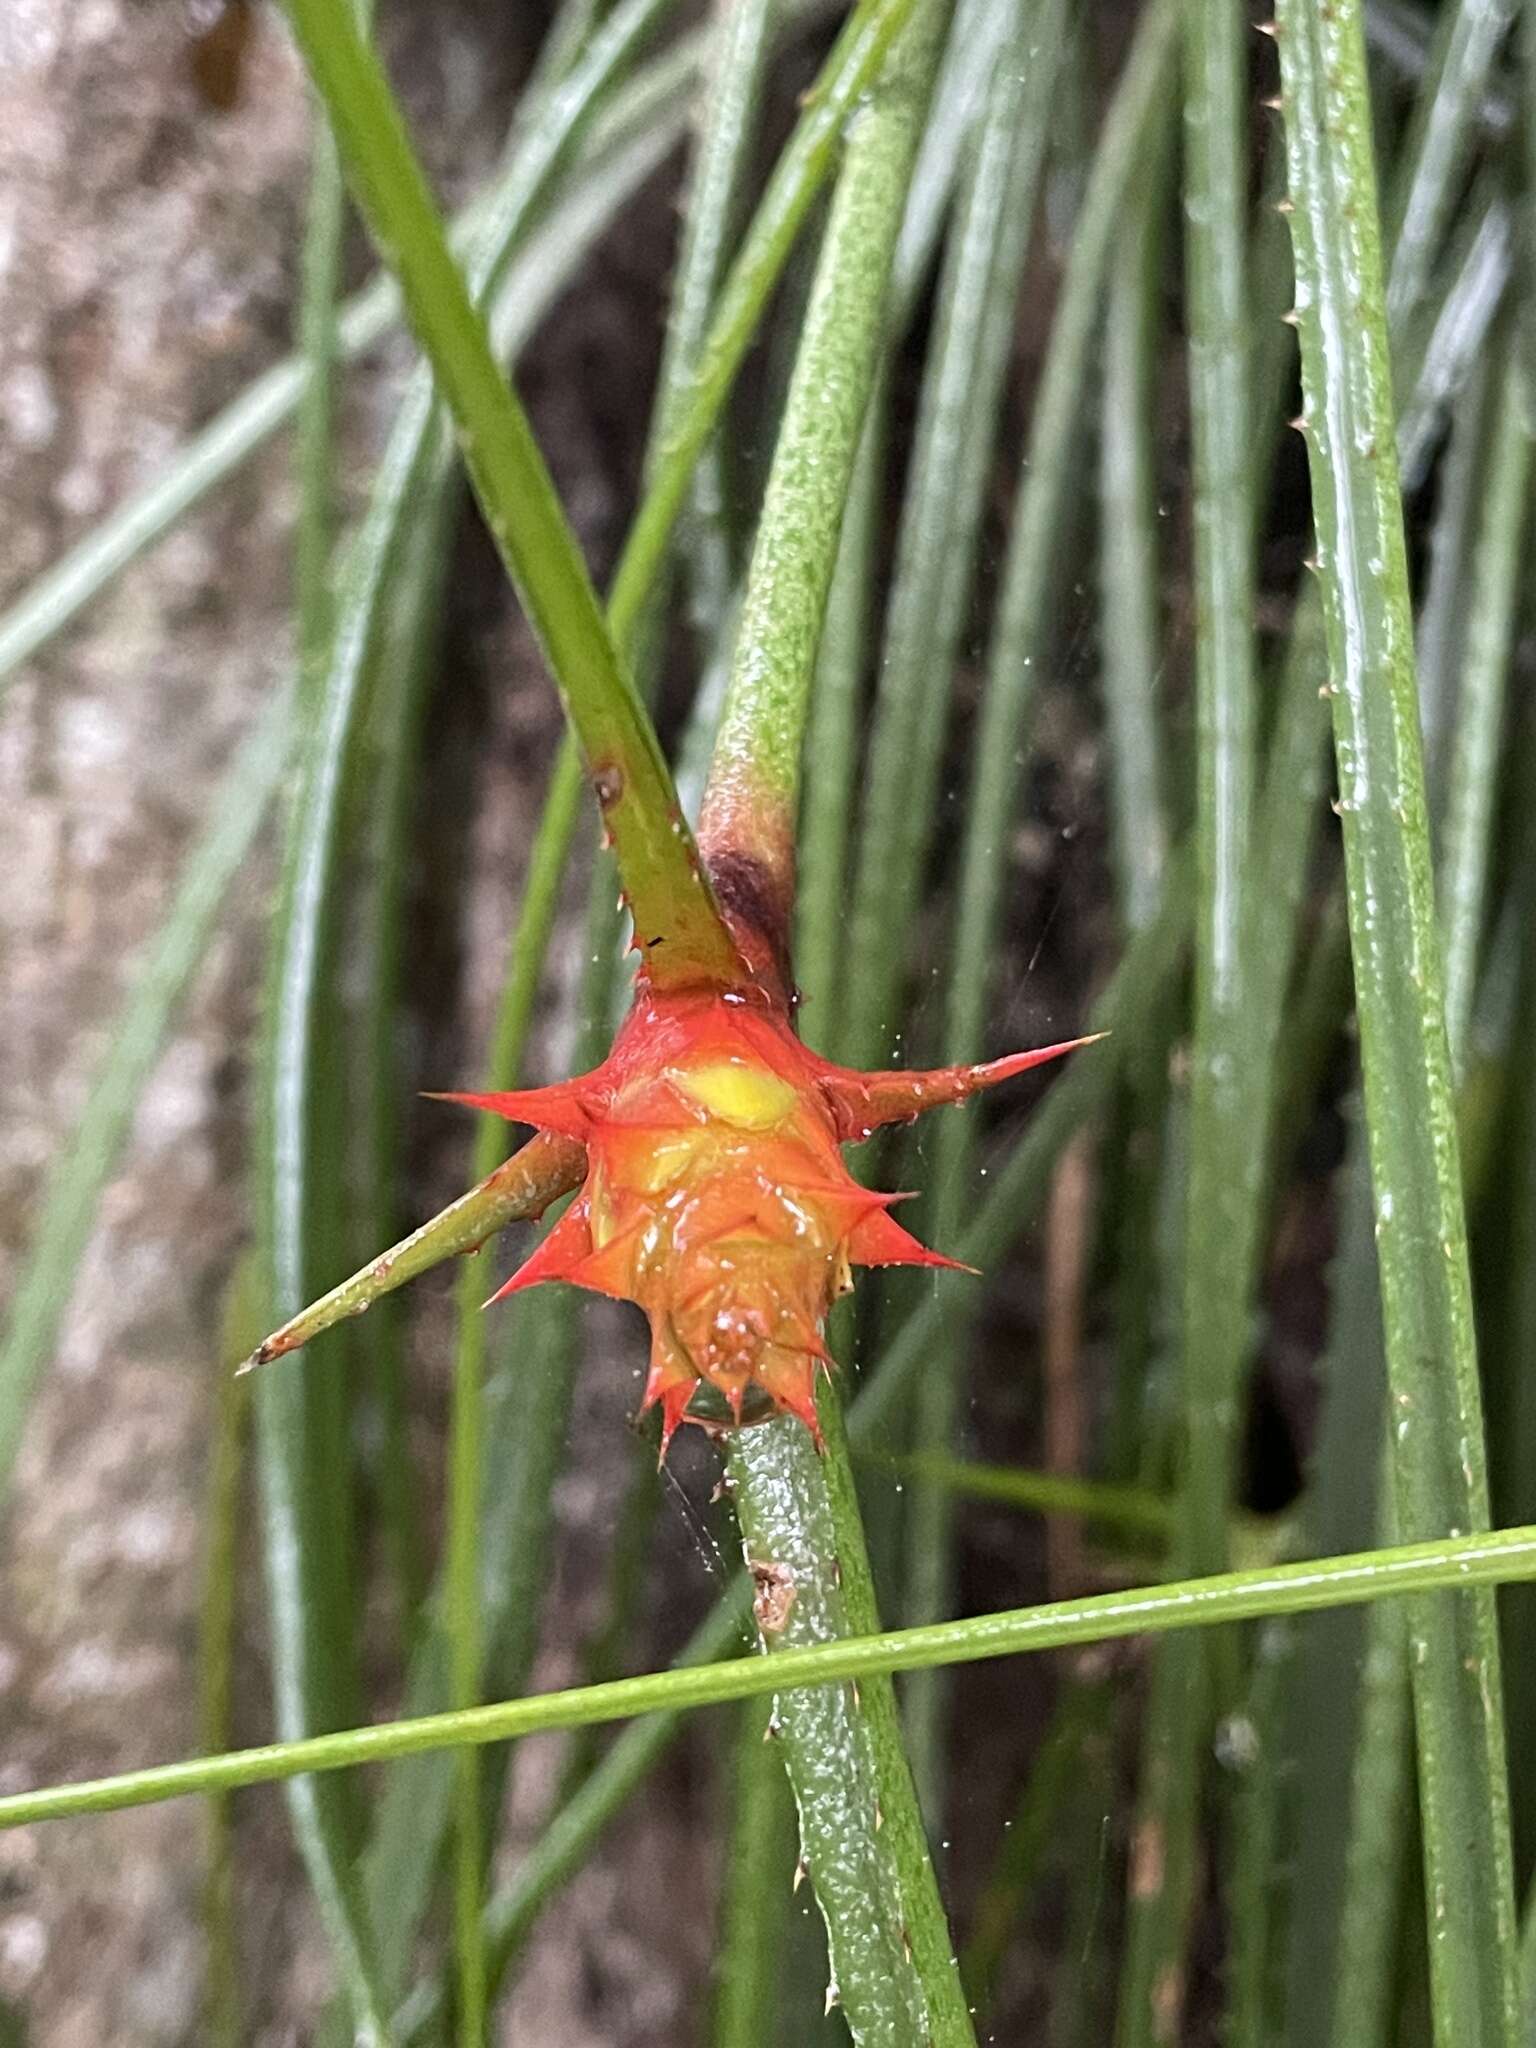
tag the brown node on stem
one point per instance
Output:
(773, 1595)
(756, 903)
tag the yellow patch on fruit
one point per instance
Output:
(745, 1096)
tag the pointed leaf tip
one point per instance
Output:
(863, 1103)
(559, 1108)
(990, 1072)
(879, 1240)
(671, 1387)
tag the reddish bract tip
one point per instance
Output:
(865, 1103)
(560, 1109)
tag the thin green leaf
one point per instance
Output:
(800, 174)
(1498, 1557)
(761, 1876)
(1484, 669)
(1345, 1910)
(1129, 550)
(832, 749)
(1024, 1856)
(674, 912)
(1439, 1461)
(1445, 121)
(224, 1504)
(1222, 1197)
(726, 121)
(304, 1457)
(1351, 1678)
(935, 562)
(1015, 657)
(1441, 625)
(1222, 1207)
(1436, 356)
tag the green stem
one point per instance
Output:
(751, 799)
(1352, 1699)
(1439, 352)
(1381, 1827)
(1497, 1557)
(828, 1737)
(392, 743)
(313, 535)
(1441, 627)
(675, 917)
(1437, 1433)
(1252, 1820)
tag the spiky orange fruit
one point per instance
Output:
(716, 1195)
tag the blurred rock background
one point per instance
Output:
(153, 166)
